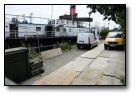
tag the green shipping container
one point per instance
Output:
(16, 64)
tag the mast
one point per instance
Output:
(72, 11)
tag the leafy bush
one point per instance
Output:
(32, 53)
(65, 46)
(104, 33)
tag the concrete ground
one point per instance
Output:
(95, 67)
(87, 67)
(52, 64)
(108, 68)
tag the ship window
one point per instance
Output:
(38, 28)
(57, 29)
(53, 22)
(64, 30)
(48, 28)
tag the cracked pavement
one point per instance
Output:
(95, 67)
(108, 68)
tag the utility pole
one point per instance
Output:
(89, 21)
(52, 13)
(31, 14)
(108, 25)
(38, 43)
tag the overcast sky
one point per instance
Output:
(45, 12)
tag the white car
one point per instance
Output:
(86, 40)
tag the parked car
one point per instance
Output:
(114, 39)
(86, 40)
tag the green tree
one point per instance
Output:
(116, 13)
(104, 33)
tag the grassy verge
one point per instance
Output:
(66, 46)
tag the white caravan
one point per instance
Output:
(87, 40)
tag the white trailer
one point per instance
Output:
(31, 29)
(86, 40)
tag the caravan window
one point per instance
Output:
(38, 28)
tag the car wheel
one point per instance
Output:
(78, 46)
(105, 47)
(123, 47)
(96, 45)
(90, 47)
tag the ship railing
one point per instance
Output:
(46, 47)
(16, 34)
(50, 34)
(11, 34)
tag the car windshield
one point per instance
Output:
(115, 35)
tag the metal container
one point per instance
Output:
(17, 68)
